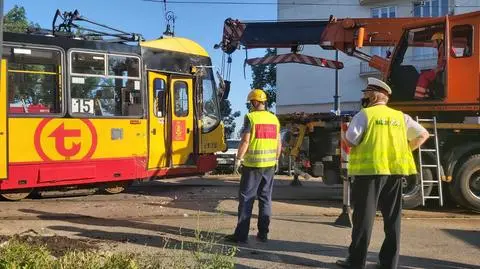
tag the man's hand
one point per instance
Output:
(418, 141)
(237, 165)
(276, 167)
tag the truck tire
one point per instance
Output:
(466, 185)
(454, 194)
(412, 194)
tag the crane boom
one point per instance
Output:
(332, 34)
(286, 34)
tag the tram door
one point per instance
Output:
(157, 99)
(181, 111)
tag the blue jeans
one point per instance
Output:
(255, 182)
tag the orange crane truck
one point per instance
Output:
(433, 70)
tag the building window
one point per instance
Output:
(382, 12)
(430, 8)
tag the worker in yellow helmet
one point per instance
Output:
(422, 90)
(382, 140)
(257, 157)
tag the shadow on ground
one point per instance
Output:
(166, 236)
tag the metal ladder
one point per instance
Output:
(436, 152)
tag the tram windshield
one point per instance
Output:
(211, 109)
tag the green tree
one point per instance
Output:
(16, 20)
(265, 77)
(228, 117)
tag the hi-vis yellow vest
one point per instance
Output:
(264, 132)
(384, 147)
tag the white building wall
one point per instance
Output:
(303, 88)
(464, 6)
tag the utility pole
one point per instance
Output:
(344, 219)
(336, 97)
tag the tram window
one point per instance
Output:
(181, 99)
(211, 110)
(123, 66)
(462, 41)
(88, 63)
(34, 84)
(105, 97)
(105, 85)
(159, 108)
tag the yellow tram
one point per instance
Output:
(76, 111)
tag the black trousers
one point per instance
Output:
(255, 182)
(368, 192)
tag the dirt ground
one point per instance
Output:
(158, 215)
(57, 245)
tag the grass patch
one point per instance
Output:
(19, 255)
(37, 252)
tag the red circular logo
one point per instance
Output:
(54, 131)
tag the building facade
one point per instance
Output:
(310, 89)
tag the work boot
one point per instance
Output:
(262, 238)
(347, 263)
(380, 266)
(232, 238)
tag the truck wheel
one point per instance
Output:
(453, 193)
(467, 183)
(412, 194)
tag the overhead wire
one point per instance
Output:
(258, 3)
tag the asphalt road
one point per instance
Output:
(156, 215)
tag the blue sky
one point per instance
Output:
(200, 22)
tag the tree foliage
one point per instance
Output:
(16, 20)
(228, 117)
(265, 77)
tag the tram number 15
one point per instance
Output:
(82, 105)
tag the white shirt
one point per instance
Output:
(357, 126)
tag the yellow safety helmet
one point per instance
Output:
(257, 95)
(437, 36)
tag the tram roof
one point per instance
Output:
(176, 44)
(69, 43)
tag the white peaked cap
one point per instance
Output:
(378, 84)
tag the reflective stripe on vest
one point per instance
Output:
(264, 132)
(384, 147)
(261, 151)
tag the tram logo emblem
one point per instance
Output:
(179, 130)
(57, 140)
(60, 134)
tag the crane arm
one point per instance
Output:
(333, 34)
(330, 34)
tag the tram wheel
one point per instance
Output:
(15, 195)
(114, 188)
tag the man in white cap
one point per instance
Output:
(382, 140)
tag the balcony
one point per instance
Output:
(368, 2)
